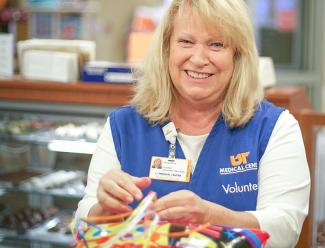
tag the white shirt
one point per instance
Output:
(283, 178)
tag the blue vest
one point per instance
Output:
(227, 168)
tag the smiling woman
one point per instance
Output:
(225, 33)
(200, 66)
(227, 156)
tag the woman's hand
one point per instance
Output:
(116, 190)
(183, 206)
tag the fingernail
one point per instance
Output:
(128, 208)
(129, 199)
(138, 195)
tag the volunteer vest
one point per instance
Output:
(227, 168)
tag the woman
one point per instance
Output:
(199, 105)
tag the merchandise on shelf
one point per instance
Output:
(10, 18)
(26, 218)
(72, 131)
(107, 72)
(70, 26)
(46, 130)
(12, 127)
(42, 27)
(59, 182)
(15, 178)
(63, 183)
(321, 233)
(51, 66)
(55, 230)
(35, 178)
(84, 50)
(55, 4)
(44, 3)
(62, 19)
(41, 225)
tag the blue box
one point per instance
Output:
(44, 3)
(107, 73)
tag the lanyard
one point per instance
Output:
(170, 133)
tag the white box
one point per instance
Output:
(266, 73)
(51, 51)
(50, 65)
(6, 55)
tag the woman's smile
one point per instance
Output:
(197, 75)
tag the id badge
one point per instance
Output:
(176, 170)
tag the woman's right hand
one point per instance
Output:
(116, 190)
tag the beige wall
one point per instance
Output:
(114, 23)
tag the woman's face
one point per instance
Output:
(200, 64)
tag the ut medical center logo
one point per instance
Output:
(239, 163)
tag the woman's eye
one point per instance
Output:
(217, 45)
(185, 42)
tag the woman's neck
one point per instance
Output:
(195, 119)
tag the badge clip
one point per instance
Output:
(170, 133)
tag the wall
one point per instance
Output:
(115, 20)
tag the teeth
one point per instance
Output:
(197, 75)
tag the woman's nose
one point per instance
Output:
(199, 56)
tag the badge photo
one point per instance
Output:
(176, 170)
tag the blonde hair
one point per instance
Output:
(154, 92)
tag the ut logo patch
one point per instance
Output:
(239, 159)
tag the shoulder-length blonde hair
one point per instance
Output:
(154, 91)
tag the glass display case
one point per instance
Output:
(43, 161)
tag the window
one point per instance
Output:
(291, 32)
(278, 30)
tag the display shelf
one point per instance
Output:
(43, 138)
(69, 195)
(54, 144)
(15, 241)
(60, 183)
(53, 231)
(73, 93)
(12, 240)
(289, 97)
(62, 19)
(110, 94)
(59, 133)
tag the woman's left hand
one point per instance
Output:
(182, 206)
